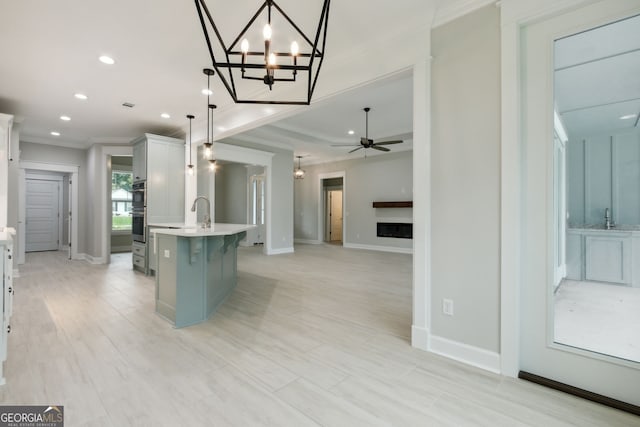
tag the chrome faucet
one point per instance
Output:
(607, 219)
(206, 221)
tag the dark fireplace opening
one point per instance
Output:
(400, 230)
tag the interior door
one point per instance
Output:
(42, 215)
(539, 354)
(335, 212)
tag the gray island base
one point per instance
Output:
(197, 269)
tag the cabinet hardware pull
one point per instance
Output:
(8, 329)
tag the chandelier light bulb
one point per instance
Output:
(190, 170)
(212, 165)
(207, 152)
(266, 32)
(244, 46)
(295, 49)
(272, 59)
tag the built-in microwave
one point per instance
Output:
(139, 225)
(139, 195)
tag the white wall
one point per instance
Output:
(386, 177)
(6, 122)
(231, 193)
(465, 175)
(602, 172)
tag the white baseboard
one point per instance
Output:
(474, 356)
(91, 259)
(119, 249)
(280, 251)
(308, 241)
(379, 248)
(420, 337)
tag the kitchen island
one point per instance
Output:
(196, 270)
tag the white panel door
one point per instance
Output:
(42, 215)
(539, 354)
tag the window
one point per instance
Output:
(121, 200)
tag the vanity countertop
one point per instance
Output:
(601, 227)
(215, 230)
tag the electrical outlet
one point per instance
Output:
(167, 253)
(447, 306)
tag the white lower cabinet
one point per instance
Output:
(6, 273)
(139, 256)
(608, 259)
(604, 256)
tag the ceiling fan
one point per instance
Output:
(366, 142)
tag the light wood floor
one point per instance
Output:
(319, 337)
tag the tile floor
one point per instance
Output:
(319, 337)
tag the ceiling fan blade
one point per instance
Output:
(359, 148)
(388, 142)
(344, 145)
(375, 147)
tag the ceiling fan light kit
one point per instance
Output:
(271, 63)
(365, 142)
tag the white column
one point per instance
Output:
(421, 203)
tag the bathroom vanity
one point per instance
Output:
(595, 253)
(196, 270)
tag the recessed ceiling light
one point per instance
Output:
(207, 92)
(54, 133)
(165, 115)
(65, 118)
(351, 132)
(107, 60)
(628, 116)
(81, 96)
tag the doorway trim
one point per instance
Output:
(237, 154)
(321, 204)
(22, 183)
(105, 196)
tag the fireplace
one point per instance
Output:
(399, 230)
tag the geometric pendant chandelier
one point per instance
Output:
(271, 60)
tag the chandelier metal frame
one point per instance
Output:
(235, 55)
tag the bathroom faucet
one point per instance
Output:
(607, 219)
(206, 221)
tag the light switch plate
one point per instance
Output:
(167, 253)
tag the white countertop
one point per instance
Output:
(6, 234)
(171, 225)
(600, 227)
(215, 230)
